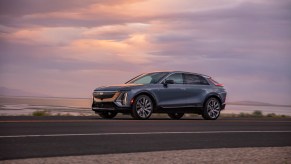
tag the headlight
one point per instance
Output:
(122, 99)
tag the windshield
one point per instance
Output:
(149, 78)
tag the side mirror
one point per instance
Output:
(168, 82)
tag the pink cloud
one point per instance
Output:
(53, 48)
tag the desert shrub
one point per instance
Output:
(41, 113)
(67, 114)
(257, 113)
(244, 115)
(271, 115)
(228, 115)
(64, 114)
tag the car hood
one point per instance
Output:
(118, 87)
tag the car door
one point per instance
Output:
(172, 95)
(195, 89)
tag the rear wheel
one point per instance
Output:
(211, 109)
(142, 107)
(107, 115)
(176, 116)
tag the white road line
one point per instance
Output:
(139, 133)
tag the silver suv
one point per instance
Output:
(174, 93)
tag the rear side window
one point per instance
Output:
(194, 79)
(203, 81)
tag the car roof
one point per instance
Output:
(206, 76)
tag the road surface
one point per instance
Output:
(32, 137)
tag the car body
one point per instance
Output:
(171, 92)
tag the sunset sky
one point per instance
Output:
(68, 48)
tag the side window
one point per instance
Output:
(177, 78)
(144, 80)
(203, 81)
(194, 79)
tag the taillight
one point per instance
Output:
(219, 85)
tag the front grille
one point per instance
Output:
(105, 96)
(103, 105)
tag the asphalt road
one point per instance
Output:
(29, 137)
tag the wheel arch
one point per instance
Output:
(150, 95)
(212, 95)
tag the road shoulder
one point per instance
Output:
(222, 155)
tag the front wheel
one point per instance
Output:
(211, 109)
(175, 116)
(142, 107)
(107, 115)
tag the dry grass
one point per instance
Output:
(255, 114)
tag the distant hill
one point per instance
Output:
(4, 91)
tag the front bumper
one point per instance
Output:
(111, 101)
(98, 107)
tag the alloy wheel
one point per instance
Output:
(211, 109)
(143, 107)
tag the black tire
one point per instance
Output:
(142, 107)
(107, 115)
(211, 109)
(175, 116)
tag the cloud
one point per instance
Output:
(15, 7)
(244, 44)
(129, 50)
